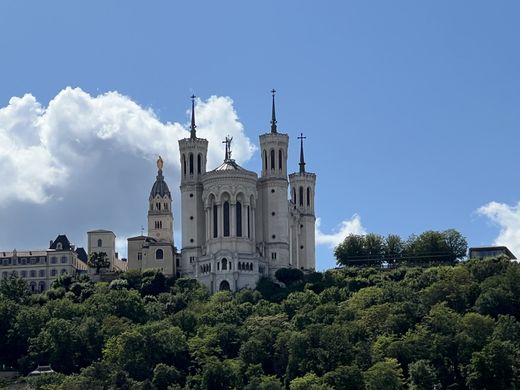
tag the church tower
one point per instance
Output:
(160, 216)
(193, 155)
(303, 221)
(273, 226)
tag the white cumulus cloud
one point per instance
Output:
(91, 161)
(42, 148)
(508, 218)
(349, 226)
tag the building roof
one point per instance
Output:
(160, 187)
(36, 253)
(137, 238)
(65, 243)
(505, 249)
(229, 165)
(82, 254)
(100, 231)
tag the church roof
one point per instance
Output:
(160, 187)
(229, 165)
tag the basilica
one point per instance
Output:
(236, 227)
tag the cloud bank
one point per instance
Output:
(91, 161)
(41, 148)
(508, 218)
(349, 226)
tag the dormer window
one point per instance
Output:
(59, 246)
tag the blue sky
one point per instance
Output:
(411, 109)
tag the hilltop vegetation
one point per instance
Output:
(450, 326)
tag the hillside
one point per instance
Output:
(450, 326)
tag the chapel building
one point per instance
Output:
(236, 227)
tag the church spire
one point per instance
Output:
(193, 134)
(302, 158)
(274, 130)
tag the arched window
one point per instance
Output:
(226, 219)
(41, 286)
(265, 160)
(224, 286)
(239, 219)
(199, 163)
(272, 160)
(99, 242)
(184, 164)
(301, 196)
(280, 159)
(159, 254)
(224, 264)
(215, 220)
(33, 286)
(308, 196)
(191, 164)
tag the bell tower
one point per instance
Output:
(303, 184)
(193, 155)
(160, 216)
(273, 227)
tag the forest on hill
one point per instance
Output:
(411, 327)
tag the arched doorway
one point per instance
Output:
(224, 286)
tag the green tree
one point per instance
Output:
(98, 260)
(422, 375)
(496, 367)
(456, 244)
(385, 375)
(289, 276)
(393, 248)
(345, 378)
(308, 382)
(350, 251)
(164, 376)
(15, 289)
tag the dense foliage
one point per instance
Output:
(430, 247)
(446, 326)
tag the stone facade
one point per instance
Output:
(236, 227)
(41, 267)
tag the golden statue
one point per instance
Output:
(160, 163)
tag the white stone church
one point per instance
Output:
(236, 226)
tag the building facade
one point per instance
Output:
(156, 250)
(41, 267)
(236, 227)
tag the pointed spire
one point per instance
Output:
(302, 158)
(193, 134)
(274, 130)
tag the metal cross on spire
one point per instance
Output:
(227, 141)
(302, 158)
(193, 134)
(273, 119)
